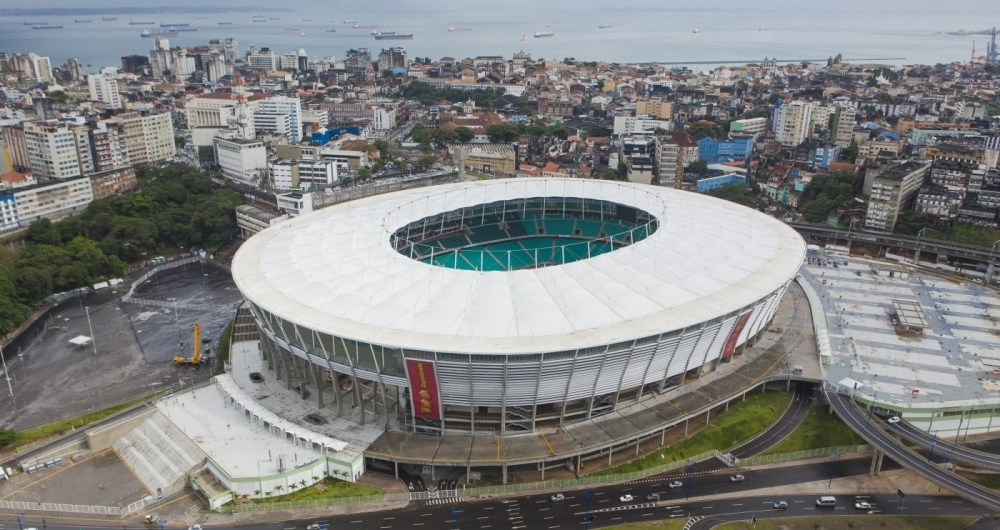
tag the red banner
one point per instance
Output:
(734, 335)
(423, 389)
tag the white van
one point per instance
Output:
(826, 501)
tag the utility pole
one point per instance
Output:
(6, 374)
(91, 326)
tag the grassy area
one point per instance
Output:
(744, 420)
(989, 480)
(329, 488)
(62, 426)
(881, 522)
(667, 524)
(820, 429)
(223, 354)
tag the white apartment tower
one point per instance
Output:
(282, 105)
(54, 150)
(41, 68)
(794, 121)
(104, 87)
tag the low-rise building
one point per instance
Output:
(490, 158)
(8, 212)
(295, 203)
(749, 126)
(112, 182)
(938, 204)
(708, 184)
(294, 175)
(52, 199)
(252, 219)
(242, 160)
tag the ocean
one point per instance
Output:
(729, 32)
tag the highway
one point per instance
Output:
(796, 413)
(857, 420)
(955, 452)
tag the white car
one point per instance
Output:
(558, 497)
(675, 484)
(737, 478)
(862, 506)
(195, 527)
(893, 420)
(626, 498)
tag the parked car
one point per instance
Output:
(893, 420)
(558, 497)
(653, 497)
(780, 505)
(862, 506)
(737, 478)
(626, 498)
(675, 484)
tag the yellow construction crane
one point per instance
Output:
(196, 358)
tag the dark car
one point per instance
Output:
(589, 518)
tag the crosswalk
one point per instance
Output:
(622, 507)
(667, 478)
(436, 502)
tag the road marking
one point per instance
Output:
(384, 527)
(490, 508)
(424, 514)
(605, 500)
(515, 517)
(655, 485)
(600, 493)
(616, 518)
(572, 505)
(484, 517)
(539, 502)
(418, 524)
(387, 518)
(543, 509)
(353, 522)
(487, 526)
(645, 514)
(551, 517)
(556, 526)
(739, 504)
(707, 508)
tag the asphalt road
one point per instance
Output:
(858, 421)
(955, 452)
(788, 422)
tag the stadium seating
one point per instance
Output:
(158, 452)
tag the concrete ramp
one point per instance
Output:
(159, 454)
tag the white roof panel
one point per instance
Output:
(335, 271)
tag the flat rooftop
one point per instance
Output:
(910, 314)
(948, 362)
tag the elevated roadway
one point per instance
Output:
(957, 453)
(874, 433)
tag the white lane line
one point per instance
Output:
(552, 517)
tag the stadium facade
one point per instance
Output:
(513, 305)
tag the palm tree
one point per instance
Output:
(279, 487)
(267, 493)
(256, 493)
(303, 483)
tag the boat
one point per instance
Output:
(201, 17)
(184, 29)
(762, 29)
(364, 26)
(35, 23)
(458, 30)
(350, 22)
(260, 20)
(293, 28)
(134, 23)
(46, 27)
(331, 31)
(544, 34)
(274, 18)
(146, 34)
(109, 19)
(165, 25)
(82, 21)
(225, 23)
(696, 30)
(605, 26)
(523, 38)
(392, 35)
(306, 20)
(303, 34)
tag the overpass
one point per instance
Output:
(875, 434)
(955, 452)
(886, 239)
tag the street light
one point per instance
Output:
(989, 260)
(836, 455)
(586, 519)
(19, 521)
(691, 470)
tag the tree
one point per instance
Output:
(850, 154)
(709, 129)
(622, 171)
(465, 134)
(364, 173)
(609, 174)
(443, 137)
(43, 232)
(735, 192)
(598, 132)
(180, 142)
(698, 166)
(503, 132)
(426, 161)
(419, 133)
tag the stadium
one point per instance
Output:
(512, 306)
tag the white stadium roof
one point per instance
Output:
(335, 271)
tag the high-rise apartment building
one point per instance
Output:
(357, 60)
(148, 137)
(283, 105)
(667, 164)
(41, 68)
(107, 139)
(653, 107)
(104, 87)
(793, 123)
(392, 58)
(893, 191)
(16, 147)
(265, 59)
(57, 150)
(231, 47)
(842, 127)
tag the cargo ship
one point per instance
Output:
(134, 23)
(82, 21)
(42, 26)
(605, 26)
(109, 19)
(225, 23)
(458, 30)
(364, 26)
(392, 35)
(165, 25)
(146, 34)
(544, 34)
(331, 31)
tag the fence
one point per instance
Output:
(55, 507)
(343, 194)
(149, 274)
(315, 503)
(798, 455)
